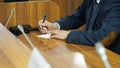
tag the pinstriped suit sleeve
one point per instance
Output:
(110, 22)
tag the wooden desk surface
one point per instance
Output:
(60, 54)
(13, 53)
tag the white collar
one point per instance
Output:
(98, 1)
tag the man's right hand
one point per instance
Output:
(47, 27)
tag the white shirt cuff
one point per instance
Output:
(57, 25)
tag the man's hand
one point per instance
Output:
(47, 27)
(60, 34)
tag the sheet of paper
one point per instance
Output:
(45, 36)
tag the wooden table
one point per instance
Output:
(13, 53)
(60, 54)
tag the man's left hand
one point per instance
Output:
(60, 34)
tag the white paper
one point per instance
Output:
(45, 36)
(37, 60)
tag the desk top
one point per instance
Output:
(13, 53)
(60, 54)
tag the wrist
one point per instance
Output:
(67, 33)
(56, 26)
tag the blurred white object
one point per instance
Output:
(11, 14)
(79, 61)
(45, 36)
(102, 53)
(36, 58)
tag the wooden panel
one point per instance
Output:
(77, 3)
(63, 6)
(67, 7)
(29, 12)
(72, 5)
(5, 10)
(1, 1)
(13, 53)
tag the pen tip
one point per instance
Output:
(44, 14)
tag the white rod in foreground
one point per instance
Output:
(102, 53)
(36, 58)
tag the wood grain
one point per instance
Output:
(67, 7)
(1, 1)
(60, 54)
(28, 12)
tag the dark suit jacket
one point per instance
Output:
(98, 25)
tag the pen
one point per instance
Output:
(44, 18)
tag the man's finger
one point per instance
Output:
(43, 30)
(54, 36)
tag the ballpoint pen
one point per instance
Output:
(44, 18)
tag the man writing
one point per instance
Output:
(101, 18)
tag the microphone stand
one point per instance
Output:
(102, 53)
(11, 14)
